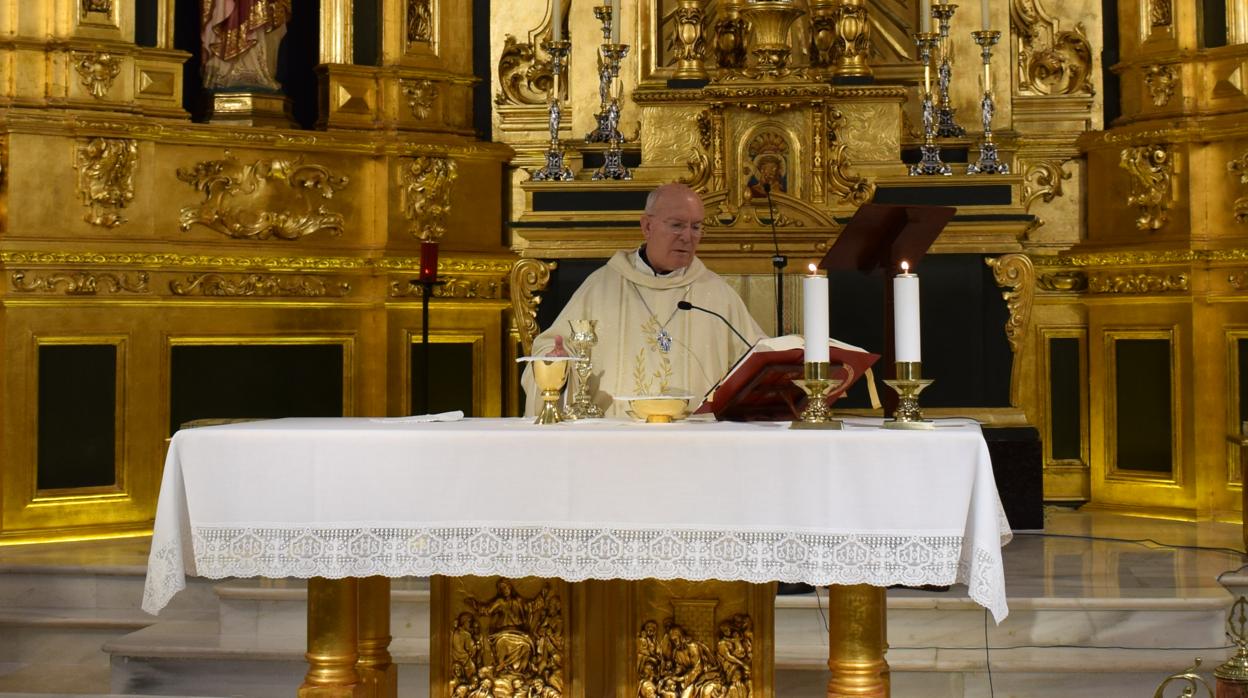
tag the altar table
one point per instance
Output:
(601, 499)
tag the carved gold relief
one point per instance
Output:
(699, 662)
(731, 32)
(421, 96)
(1161, 81)
(452, 287)
(1051, 61)
(106, 178)
(278, 198)
(1238, 280)
(1063, 281)
(523, 76)
(1042, 181)
(1160, 13)
(419, 21)
(96, 71)
(1239, 167)
(686, 44)
(1150, 168)
(853, 39)
(849, 187)
(301, 285)
(1015, 273)
(103, 6)
(823, 37)
(1137, 282)
(700, 165)
(861, 131)
(529, 277)
(426, 182)
(78, 282)
(509, 644)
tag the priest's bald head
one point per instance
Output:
(672, 226)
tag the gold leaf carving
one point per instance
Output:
(523, 76)
(870, 132)
(1161, 81)
(78, 282)
(453, 287)
(96, 71)
(1042, 181)
(1138, 282)
(257, 285)
(849, 187)
(421, 96)
(106, 178)
(420, 21)
(689, 656)
(279, 198)
(529, 278)
(104, 6)
(510, 640)
(1239, 167)
(1015, 273)
(1051, 61)
(1160, 13)
(1150, 168)
(426, 182)
(1238, 280)
(1063, 281)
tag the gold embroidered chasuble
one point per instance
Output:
(637, 318)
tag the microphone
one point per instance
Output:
(778, 261)
(686, 305)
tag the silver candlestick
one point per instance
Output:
(555, 170)
(930, 163)
(946, 127)
(607, 72)
(613, 158)
(988, 162)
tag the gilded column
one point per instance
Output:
(857, 617)
(377, 672)
(332, 640)
(690, 44)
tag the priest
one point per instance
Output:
(647, 344)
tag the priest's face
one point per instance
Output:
(673, 228)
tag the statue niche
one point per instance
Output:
(240, 40)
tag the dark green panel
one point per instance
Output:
(1142, 399)
(254, 380)
(77, 416)
(1065, 435)
(450, 378)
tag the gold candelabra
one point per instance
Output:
(817, 384)
(908, 384)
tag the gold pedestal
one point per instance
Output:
(908, 384)
(857, 618)
(817, 386)
(376, 669)
(252, 109)
(332, 640)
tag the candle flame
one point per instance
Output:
(812, 268)
(905, 267)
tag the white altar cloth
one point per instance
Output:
(598, 499)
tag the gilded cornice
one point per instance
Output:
(459, 266)
(1181, 131)
(164, 260)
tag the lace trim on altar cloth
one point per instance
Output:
(577, 554)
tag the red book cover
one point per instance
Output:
(760, 386)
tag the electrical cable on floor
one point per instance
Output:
(819, 603)
(1139, 541)
(988, 656)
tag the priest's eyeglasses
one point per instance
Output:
(676, 226)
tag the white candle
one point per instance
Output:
(925, 15)
(906, 315)
(617, 18)
(556, 20)
(815, 315)
(987, 19)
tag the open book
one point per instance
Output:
(760, 385)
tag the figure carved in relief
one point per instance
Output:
(508, 646)
(240, 39)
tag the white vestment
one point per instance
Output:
(637, 314)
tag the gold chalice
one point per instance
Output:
(550, 376)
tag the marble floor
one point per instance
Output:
(1089, 590)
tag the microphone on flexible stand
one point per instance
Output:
(686, 305)
(778, 261)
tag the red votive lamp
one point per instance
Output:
(428, 261)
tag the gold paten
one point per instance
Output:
(285, 190)
(106, 178)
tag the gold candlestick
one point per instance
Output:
(817, 385)
(908, 384)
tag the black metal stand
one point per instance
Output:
(779, 261)
(426, 292)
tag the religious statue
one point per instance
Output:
(508, 646)
(676, 665)
(240, 39)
